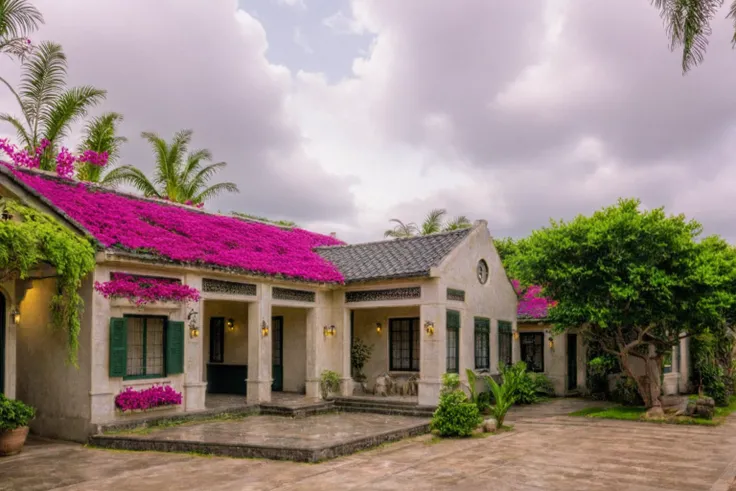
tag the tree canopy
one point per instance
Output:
(634, 281)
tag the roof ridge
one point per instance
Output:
(401, 239)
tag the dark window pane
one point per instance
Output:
(532, 351)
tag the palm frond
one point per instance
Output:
(401, 230)
(433, 222)
(193, 164)
(19, 128)
(215, 190)
(71, 105)
(18, 18)
(457, 223)
(133, 176)
(687, 23)
(42, 82)
(17, 99)
(100, 136)
(732, 15)
(200, 180)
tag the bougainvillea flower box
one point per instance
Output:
(140, 290)
(156, 397)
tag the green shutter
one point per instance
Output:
(453, 319)
(174, 347)
(118, 346)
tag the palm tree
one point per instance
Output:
(18, 19)
(178, 176)
(48, 107)
(432, 224)
(688, 25)
(100, 135)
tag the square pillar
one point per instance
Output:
(194, 388)
(345, 351)
(318, 346)
(684, 365)
(259, 348)
(432, 349)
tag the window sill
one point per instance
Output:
(132, 382)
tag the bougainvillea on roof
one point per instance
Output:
(64, 160)
(145, 289)
(186, 235)
(531, 302)
(156, 396)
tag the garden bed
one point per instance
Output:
(626, 413)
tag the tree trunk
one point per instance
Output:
(647, 378)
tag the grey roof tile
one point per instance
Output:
(398, 258)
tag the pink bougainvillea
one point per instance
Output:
(145, 289)
(186, 235)
(531, 302)
(156, 396)
(65, 160)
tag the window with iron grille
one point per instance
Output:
(532, 350)
(482, 343)
(453, 341)
(504, 343)
(404, 345)
(145, 347)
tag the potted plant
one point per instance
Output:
(14, 418)
(329, 383)
(360, 353)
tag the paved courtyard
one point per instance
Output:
(546, 451)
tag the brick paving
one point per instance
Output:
(546, 451)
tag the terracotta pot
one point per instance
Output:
(11, 441)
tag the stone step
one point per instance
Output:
(421, 413)
(375, 402)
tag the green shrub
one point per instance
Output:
(714, 384)
(360, 353)
(14, 414)
(528, 386)
(543, 385)
(329, 383)
(450, 382)
(625, 392)
(456, 415)
(599, 368)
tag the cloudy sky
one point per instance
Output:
(341, 114)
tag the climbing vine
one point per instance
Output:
(29, 238)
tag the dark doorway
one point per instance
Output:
(532, 350)
(277, 353)
(572, 361)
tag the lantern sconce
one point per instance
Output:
(264, 328)
(516, 335)
(378, 327)
(193, 327)
(230, 323)
(551, 343)
(429, 327)
(15, 316)
(329, 331)
(193, 332)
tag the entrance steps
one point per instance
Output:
(382, 406)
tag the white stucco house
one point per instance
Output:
(277, 306)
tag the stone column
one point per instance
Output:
(259, 348)
(432, 356)
(684, 365)
(515, 344)
(195, 389)
(318, 347)
(346, 380)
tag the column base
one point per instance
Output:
(194, 396)
(312, 389)
(258, 391)
(346, 386)
(429, 392)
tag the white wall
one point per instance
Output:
(496, 300)
(294, 347)
(58, 391)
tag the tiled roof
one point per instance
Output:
(172, 233)
(398, 258)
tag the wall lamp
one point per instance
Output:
(551, 343)
(329, 331)
(15, 315)
(429, 327)
(378, 327)
(230, 323)
(516, 334)
(193, 332)
(264, 328)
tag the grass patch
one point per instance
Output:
(638, 414)
(162, 424)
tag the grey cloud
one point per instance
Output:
(174, 64)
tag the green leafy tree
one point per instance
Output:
(634, 282)
(48, 107)
(179, 176)
(18, 19)
(432, 224)
(688, 26)
(100, 135)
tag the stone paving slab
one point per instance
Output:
(312, 439)
(553, 453)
